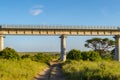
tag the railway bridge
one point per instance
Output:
(63, 32)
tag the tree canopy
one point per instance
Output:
(100, 45)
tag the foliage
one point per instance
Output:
(9, 53)
(107, 57)
(87, 70)
(41, 57)
(74, 55)
(77, 55)
(90, 55)
(25, 69)
(25, 56)
(112, 53)
(100, 45)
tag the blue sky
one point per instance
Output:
(56, 12)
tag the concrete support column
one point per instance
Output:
(63, 48)
(1, 42)
(117, 48)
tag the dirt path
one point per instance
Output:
(52, 73)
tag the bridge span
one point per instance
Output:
(63, 32)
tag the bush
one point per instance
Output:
(94, 55)
(107, 57)
(74, 55)
(25, 56)
(90, 55)
(9, 53)
(85, 55)
(77, 55)
(40, 57)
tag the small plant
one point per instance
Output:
(9, 53)
(74, 55)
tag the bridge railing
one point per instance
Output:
(57, 27)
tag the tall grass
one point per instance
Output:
(87, 70)
(24, 69)
(14, 66)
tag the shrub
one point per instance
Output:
(85, 55)
(25, 56)
(40, 57)
(9, 53)
(74, 55)
(90, 55)
(94, 56)
(107, 57)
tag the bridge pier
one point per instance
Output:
(117, 48)
(63, 48)
(1, 42)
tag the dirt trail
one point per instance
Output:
(52, 73)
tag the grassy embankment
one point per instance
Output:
(23, 66)
(92, 70)
(20, 69)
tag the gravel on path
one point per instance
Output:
(54, 72)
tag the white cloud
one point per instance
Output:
(36, 10)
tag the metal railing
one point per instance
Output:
(58, 27)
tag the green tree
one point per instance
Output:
(100, 45)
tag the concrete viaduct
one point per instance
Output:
(63, 32)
